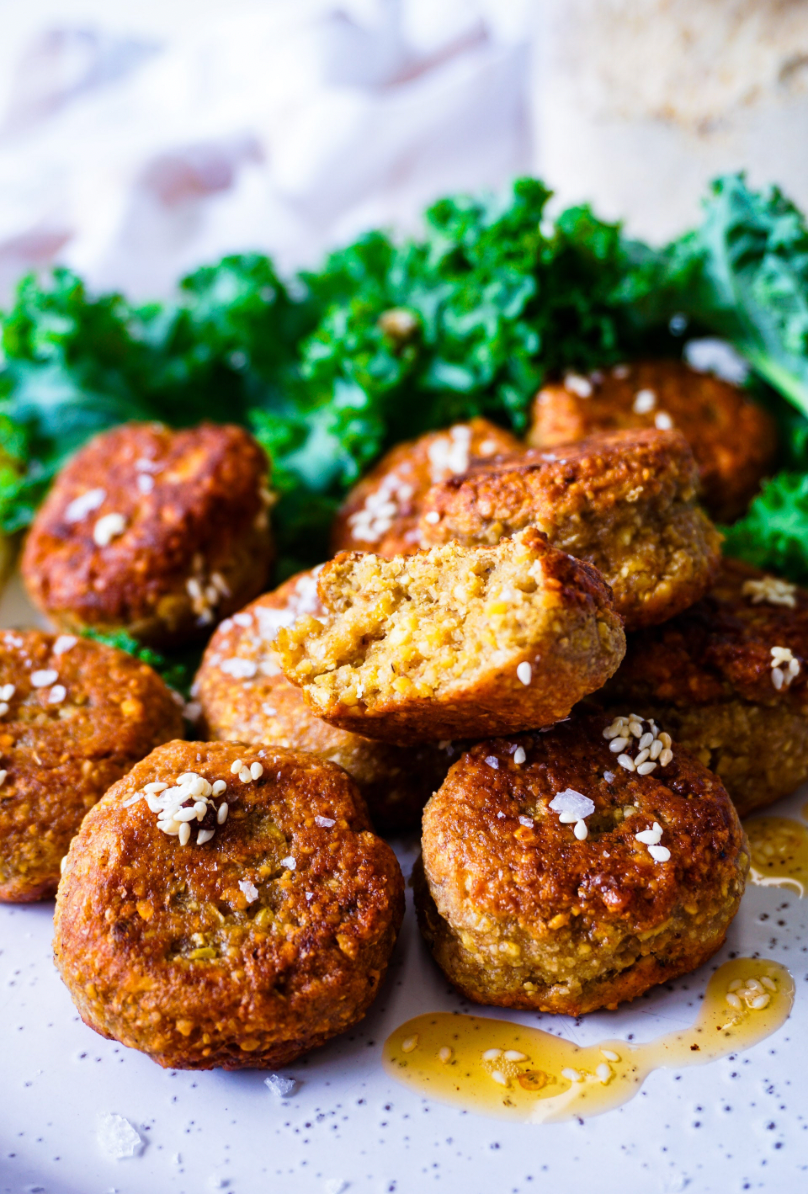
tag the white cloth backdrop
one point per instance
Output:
(138, 139)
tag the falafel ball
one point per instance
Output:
(244, 696)
(561, 876)
(733, 439)
(381, 512)
(75, 715)
(624, 502)
(729, 677)
(156, 532)
(226, 905)
(456, 642)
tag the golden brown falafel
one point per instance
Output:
(245, 697)
(381, 512)
(733, 440)
(556, 879)
(267, 932)
(624, 502)
(75, 715)
(160, 533)
(730, 678)
(454, 642)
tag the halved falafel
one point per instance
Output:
(454, 642)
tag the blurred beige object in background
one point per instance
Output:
(642, 102)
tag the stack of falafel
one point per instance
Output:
(540, 643)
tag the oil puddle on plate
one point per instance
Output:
(497, 1068)
(779, 848)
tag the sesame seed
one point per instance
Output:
(236, 767)
(641, 757)
(572, 1075)
(221, 815)
(603, 1073)
(57, 694)
(219, 787)
(665, 757)
(243, 620)
(432, 517)
(499, 1077)
(7, 692)
(626, 761)
(771, 590)
(109, 527)
(158, 786)
(145, 483)
(445, 1054)
(610, 1054)
(245, 775)
(760, 1002)
(204, 835)
(524, 672)
(324, 822)
(492, 1054)
(581, 831)
(44, 678)
(618, 744)
(646, 768)
(519, 756)
(644, 401)
(645, 741)
(3, 775)
(659, 853)
(655, 750)
(663, 421)
(184, 833)
(409, 1043)
(239, 669)
(769, 982)
(578, 385)
(63, 643)
(256, 770)
(84, 504)
(3, 708)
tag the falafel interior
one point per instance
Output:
(457, 641)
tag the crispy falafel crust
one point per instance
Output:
(195, 547)
(60, 757)
(456, 642)
(707, 675)
(733, 439)
(395, 781)
(162, 949)
(519, 913)
(381, 512)
(624, 502)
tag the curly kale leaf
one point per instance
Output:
(773, 534)
(743, 275)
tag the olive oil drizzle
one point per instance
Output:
(507, 1070)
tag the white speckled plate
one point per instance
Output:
(736, 1124)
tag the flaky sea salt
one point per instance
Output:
(282, 1088)
(117, 1137)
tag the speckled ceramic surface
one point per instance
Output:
(736, 1124)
